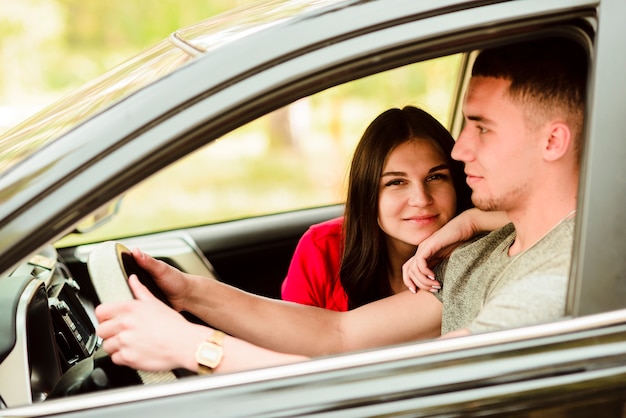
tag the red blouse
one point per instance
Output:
(313, 276)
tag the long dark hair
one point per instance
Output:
(365, 258)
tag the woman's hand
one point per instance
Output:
(417, 271)
(146, 334)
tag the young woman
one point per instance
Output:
(403, 186)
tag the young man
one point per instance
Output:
(521, 148)
(520, 144)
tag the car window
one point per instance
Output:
(293, 158)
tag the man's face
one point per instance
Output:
(499, 151)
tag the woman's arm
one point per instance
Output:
(417, 271)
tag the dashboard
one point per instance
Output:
(48, 344)
(46, 328)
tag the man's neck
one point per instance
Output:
(534, 224)
(552, 199)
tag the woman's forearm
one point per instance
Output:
(485, 221)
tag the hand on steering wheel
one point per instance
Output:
(110, 265)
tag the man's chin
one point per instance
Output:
(487, 205)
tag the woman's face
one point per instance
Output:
(416, 194)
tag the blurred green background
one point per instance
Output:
(49, 47)
(295, 157)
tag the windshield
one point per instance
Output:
(153, 64)
(240, 23)
(55, 120)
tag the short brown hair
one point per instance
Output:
(548, 75)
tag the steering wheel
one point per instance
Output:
(110, 264)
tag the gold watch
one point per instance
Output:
(210, 352)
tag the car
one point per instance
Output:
(73, 167)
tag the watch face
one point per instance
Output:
(209, 354)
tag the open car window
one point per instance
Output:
(293, 158)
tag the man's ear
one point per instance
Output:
(558, 141)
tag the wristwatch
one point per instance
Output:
(210, 352)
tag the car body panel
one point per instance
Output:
(601, 228)
(470, 376)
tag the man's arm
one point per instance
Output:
(306, 330)
(146, 334)
(458, 333)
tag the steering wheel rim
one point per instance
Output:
(109, 265)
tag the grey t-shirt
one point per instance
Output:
(484, 289)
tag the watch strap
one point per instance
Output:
(213, 344)
(217, 337)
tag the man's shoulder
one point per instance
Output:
(549, 257)
(475, 255)
(563, 233)
(552, 254)
(498, 235)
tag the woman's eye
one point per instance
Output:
(437, 176)
(482, 130)
(396, 182)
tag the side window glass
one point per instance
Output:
(293, 158)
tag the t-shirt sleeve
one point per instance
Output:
(440, 272)
(534, 300)
(305, 271)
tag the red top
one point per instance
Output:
(313, 276)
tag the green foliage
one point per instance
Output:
(115, 24)
(57, 45)
(270, 165)
(105, 33)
